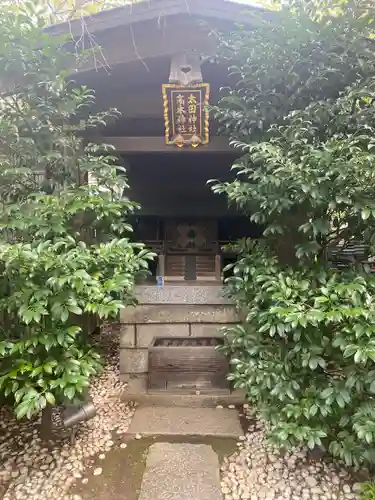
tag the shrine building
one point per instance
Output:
(156, 67)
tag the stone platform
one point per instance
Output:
(171, 311)
(181, 471)
(176, 421)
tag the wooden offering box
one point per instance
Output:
(187, 364)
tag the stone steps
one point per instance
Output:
(181, 471)
(178, 421)
(179, 398)
(182, 294)
(177, 469)
(179, 313)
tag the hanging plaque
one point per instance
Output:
(186, 114)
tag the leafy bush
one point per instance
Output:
(306, 352)
(302, 111)
(65, 251)
(368, 491)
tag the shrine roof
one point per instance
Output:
(145, 10)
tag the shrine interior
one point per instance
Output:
(181, 218)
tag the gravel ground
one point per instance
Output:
(32, 470)
(259, 472)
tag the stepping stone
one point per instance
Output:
(181, 471)
(175, 421)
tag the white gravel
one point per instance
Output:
(258, 471)
(30, 470)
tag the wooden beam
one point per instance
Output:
(134, 145)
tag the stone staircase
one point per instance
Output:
(177, 469)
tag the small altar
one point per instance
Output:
(176, 312)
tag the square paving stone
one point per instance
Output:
(181, 471)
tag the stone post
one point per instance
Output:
(218, 267)
(161, 265)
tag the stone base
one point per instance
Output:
(136, 383)
(183, 311)
(133, 360)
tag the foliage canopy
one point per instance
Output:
(54, 11)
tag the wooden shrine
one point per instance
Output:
(155, 66)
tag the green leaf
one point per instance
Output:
(366, 212)
(22, 409)
(313, 363)
(75, 310)
(50, 398)
(327, 392)
(69, 392)
(64, 315)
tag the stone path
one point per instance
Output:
(175, 421)
(181, 472)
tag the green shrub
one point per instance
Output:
(301, 110)
(306, 352)
(65, 247)
(368, 491)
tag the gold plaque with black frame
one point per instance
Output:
(186, 114)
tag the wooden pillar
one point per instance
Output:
(218, 267)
